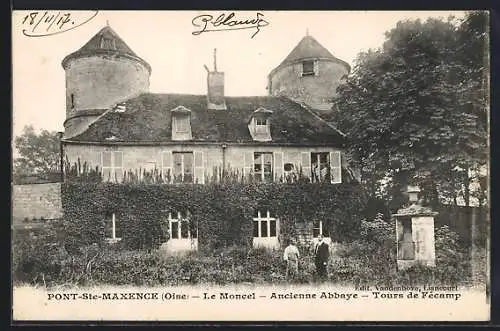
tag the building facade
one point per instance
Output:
(114, 124)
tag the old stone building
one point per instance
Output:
(310, 75)
(115, 124)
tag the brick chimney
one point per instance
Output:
(215, 85)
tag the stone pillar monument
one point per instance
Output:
(415, 233)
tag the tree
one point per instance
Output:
(413, 111)
(38, 154)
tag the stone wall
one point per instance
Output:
(36, 201)
(99, 81)
(316, 91)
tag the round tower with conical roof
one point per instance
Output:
(310, 74)
(105, 71)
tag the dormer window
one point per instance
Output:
(260, 125)
(181, 123)
(108, 43)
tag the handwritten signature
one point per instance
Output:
(207, 23)
(46, 23)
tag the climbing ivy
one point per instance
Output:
(222, 212)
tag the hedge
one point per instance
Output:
(222, 212)
(371, 259)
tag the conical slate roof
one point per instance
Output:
(309, 47)
(109, 34)
(113, 44)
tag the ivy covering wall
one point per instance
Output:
(221, 212)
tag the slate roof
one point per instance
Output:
(309, 47)
(147, 119)
(93, 46)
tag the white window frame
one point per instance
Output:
(183, 166)
(113, 238)
(320, 229)
(112, 167)
(262, 174)
(180, 220)
(261, 128)
(267, 219)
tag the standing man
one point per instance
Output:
(321, 255)
(291, 256)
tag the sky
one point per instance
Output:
(164, 39)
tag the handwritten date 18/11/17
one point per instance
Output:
(46, 23)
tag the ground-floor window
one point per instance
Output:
(112, 228)
(179, 226)
(264, 225)
(265, 230)
(320, 228)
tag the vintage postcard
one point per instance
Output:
(250, 166)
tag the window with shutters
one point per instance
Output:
(326, 167)
(112, 228)
(263, 167)
(320, 167)
(183, 167)
(112, 166)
